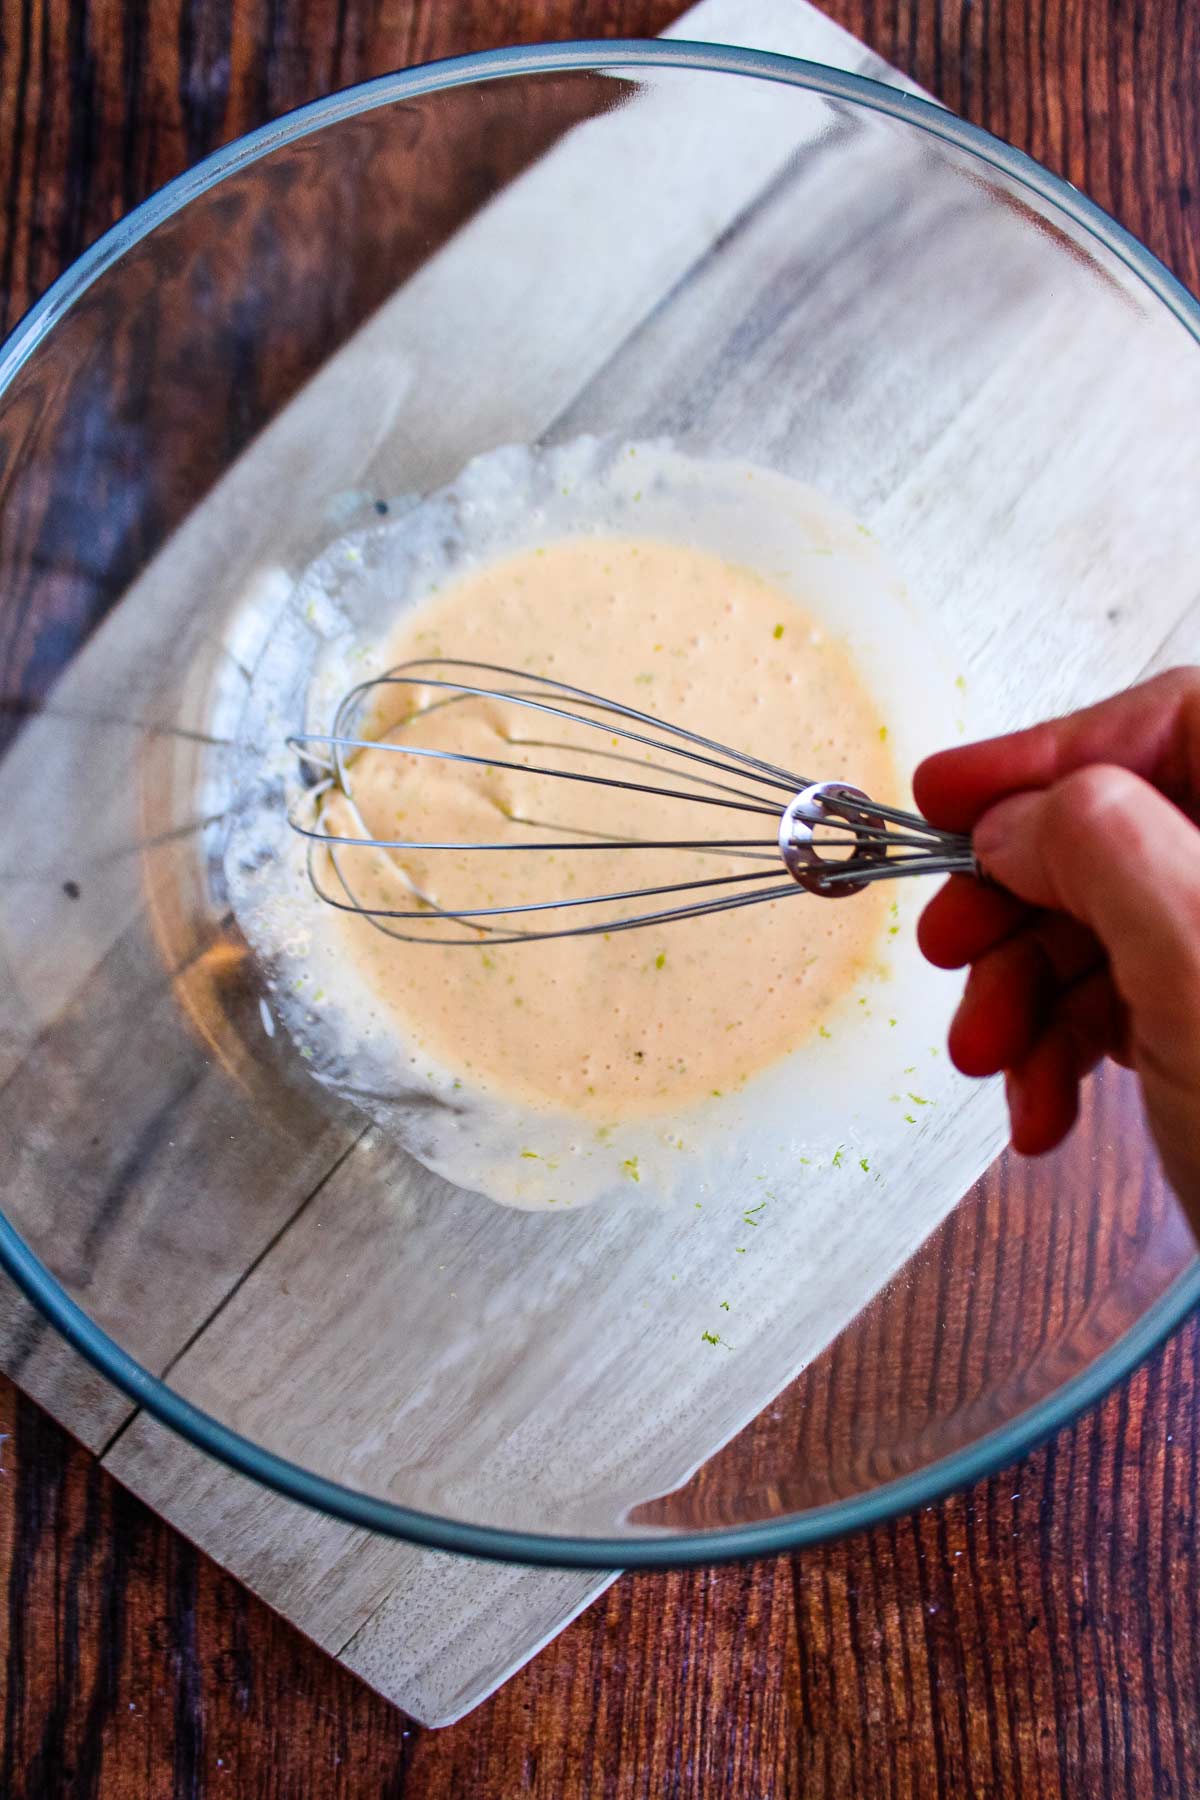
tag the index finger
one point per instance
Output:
(1153, 729)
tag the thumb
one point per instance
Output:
(1109, 849)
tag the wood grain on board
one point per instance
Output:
(1041, 1644)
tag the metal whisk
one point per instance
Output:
(824, 837)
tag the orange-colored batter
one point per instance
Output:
(640, 1021)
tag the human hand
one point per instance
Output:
(1090, 944)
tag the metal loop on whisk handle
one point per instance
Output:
(876, 842)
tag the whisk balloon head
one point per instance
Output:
(766, 833)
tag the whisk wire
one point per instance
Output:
(498, 762)
(379, 916)
(752, 767)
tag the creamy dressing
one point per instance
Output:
(830, 1001)
(638, 1021)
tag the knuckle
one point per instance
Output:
(1092, 799)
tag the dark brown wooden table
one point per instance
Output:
(1038, 1637)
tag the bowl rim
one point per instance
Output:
(986, 1455)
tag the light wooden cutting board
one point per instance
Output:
(433, 1633)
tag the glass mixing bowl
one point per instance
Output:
(750, 256)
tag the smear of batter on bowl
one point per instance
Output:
(637, 1022)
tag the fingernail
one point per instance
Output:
(1007, 820)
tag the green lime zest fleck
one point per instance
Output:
(821, 1032)
(918, 1101)
(630, 1170)
(908, 1119)
(883, 734)
(531, 1155)
(778, 631)
(724, 1306)
(839, 1156)
(711, 1337)
(660, 961)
